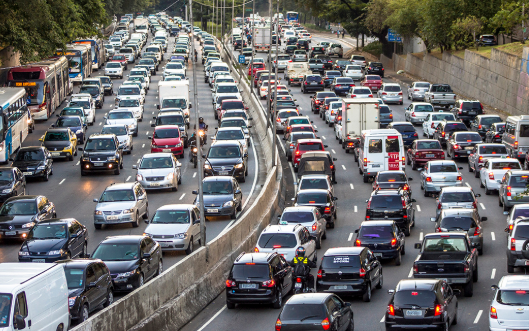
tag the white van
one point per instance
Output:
(380, 150)
(37, 297)
(516, 136)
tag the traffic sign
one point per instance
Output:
(393, 36)
(242, 59)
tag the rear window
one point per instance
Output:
(522, 232)
(404, 128)
(372, 78)
(382, 232)
(392, 88)
(422, 85)
(340, 261)
(361, 91)
(471, 106)
(333, 73)
(455, 127)
(443, 168)
(457, 197)
(375, 65)
(440, 117)
(490, 120)
(322, 95)
(513, 298)
(441, 88)
(284, 240)
(312, 198)
(457, 223)
(423, 108)
(303, 312)
(358, 58)
(518, 181)
(524, 130)
(421, 298)
(506, 165)
(313, 78)
(246, 271)
(492, 150)
(386, 202)
(428, 145)
(520, 212)
(296, 137)
(344, 80)
(391, 176)
(384, 110)
(297, 217)
(468, 137)
(287, 114)
(233, 105)
(500, 127)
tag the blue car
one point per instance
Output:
(407, 130)
(74, 123)
(342, 85)
(330, 75)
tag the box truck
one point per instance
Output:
(357, 115)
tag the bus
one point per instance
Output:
(97, 49)
(292, 17)
(47, 84)
(14, 121)
(79, 61)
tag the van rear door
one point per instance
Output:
(374, 156)
(393, 152)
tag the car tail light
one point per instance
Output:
(479, 127)
(412, 114)
(269, 283)
(382, 69)
(390, 115)
(325, 324)
(278, 120)
(513, 244)
(230, 283)
(400, 93)
(353, 95)
(365, 162)
(317, 102)
(393, 242)
(338, 86)
(510, 227)
(321, 82)
(443, 133)
(475, 205)
(459, 178)
(508, 191)
(415, 268)
(327, 210)
(298, 280)
(405, 187)
(369, 204)
(438, 310)
(491, 175)
(391, 310)
(370, 96)
(314, 226)
(362, 273)
(278, 325)
(384, 93)
(319, 274)
(467, 267)
(497, 136)
(256, 250)
(352, 85)
(438, 229)
(493, 313)
(515, 145)
(439, 205)
(429, 179)
(477, 231)
(403, 203)
(432, 126)
(358, 242)
(481, 159)
(297, 153)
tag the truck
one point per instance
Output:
(357, 115)
(261, 40)
(440, 95)
(175, 94)
(141, 25)
(449, 256)
(295, 71)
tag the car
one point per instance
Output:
(296, 120)
(487, 40)
(323, 199)
(417, 112)
(89, 286)
(431, 303)
(392, 180)
(282, 117)
(12, 183)
(462, 220)
(456, 197)
(317, 100)
(331, 110)
(291, 46)
(423, 150)
(135, 106)
(285, 239)
(417, 90)
(96, 91)
(237, 122)
(167, 139)
(334, 49)
(393, 205)
(123, 117)
(374, 82)
(517, 244)
(467, 110)
(319, 310)
(482, 123)
(360, 92)
(349, 271)
(312, 83)
(325, 60)
(342, 85)
(222, 196)
(303, 146)
(74, 123)
(383, 238)
(303, 44)
(308, 216)
(516, 212)
(33, 162)
(232, 133)
(130, 92)
(375, 68)
(114, 69)
(317, 181)
(299, 55)
(55, 239)
(292, 139)
(61, 142)
(226, 158)
(390, 93)
(122, 133)
(159, 171)
(445, 129)
(461, 144)
(176, 227)
(495, 132)
(493, 170)
(513, 186)
(329, 77)
(18, 215)
(407, 130)
(432, 120)
(131, 259)
(359, 60)
(510, 297)
(353, 71)
(121, 203)
(272, 278)
(324, 107)
(76, 111)
(340, 65)
(229, 104)
(101, 152)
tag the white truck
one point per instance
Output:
(141, 25)
(295, 71)
(174, 94)
(357, 115)
(261, 40)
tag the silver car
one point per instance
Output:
(123, 117)
(309, 217)
(293, 138)
(175, 227)
(438, 174)
(477, 156)
(309, 182)
(517, 211)
(456, 197)
(159, 171)
(512, 189)
(417, 89)
(300, 56)
(232, 133)
(462, 220)
(122, 133)
(417, 112)
(354, 71)
(390, 93)
(282, 117)
(121, 203)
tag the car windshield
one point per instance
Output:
(468, 137)
(440, 117)
(488, 121)
(428, 145)
(93, 90)
(68, 122)
(166, 133)
(113, 65)
(303, 312)
(227, 89)
(404, 128)
(224, 152)
(286, 103)
(456, 197)
(129, 91)
(248, 271)
(217, 187)
(118, 115)
(420, 298)
(391, 176)
(156, 162)
(30, 155)
(513, 298)
(461, 223)
(340, 261)
(423, 108)
(85, 104)
(505, 165)
(356, 68)
(74, 278)
(117, 195)
(117, 130)
(392, 88)
(378, 231)
(443, 168)
(174, 103)
(311, 198)
(229, 135)
(57, 136)
(18, 208)
(233, 123)
(314, 183)
(171, 217)
(100, 145)
(170, 120)
(129, 103)
(117, 252)
(277, 240)
(445, 245)
(386, 202)
(48, 231)
(470, 105)
(298, 217)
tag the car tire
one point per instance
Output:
(407, 231)
(366, 297)
(230, 305)
(137, 222)
(476, 173)
(84, 313)
(366, 179)
(481, 184)
(84, 251)
(110, 298)
(413, 165)
(475, 275)
(454, 321)
(468, 289)
(398, 259)
(403, 252)
(487, 191)
(279, 300)
(116, 172)
(318, 243)
(98, 226)
(141, 281)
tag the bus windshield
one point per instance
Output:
(35, 92)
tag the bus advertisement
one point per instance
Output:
(97, 49)
(79, 61)
(14, 121)
(292, 17)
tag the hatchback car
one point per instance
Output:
(74, 123)
(285, 239)
(513, 186)
(123, 117)
(329, 77)
(61, 142)
(517, 245)
(461, 144)
(493, 170)
(354, 72)
(312, 83)
(390, 93)
(375, 68)
(360, 92)
(19, 215)
(477, 156)
(226, 158)
(342, 85)
(308, 216)
(422, 151)
(318, 99)
(456, 197)
(303, 146)
(222, 196)
(167, 139)
(34, 162)
(432, 121)
(511, 296)
(12, 183)
(495, 133)
(159, 171)
(383, 238)
(320, 182)
(291, 141)
(392, 180)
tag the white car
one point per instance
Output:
(493, 170)
(236, 122)
(123, 117)
(174, 68)
(338, 131)
(510, 303)
(432, 120)
(141, 79)
(226, 89)
(354, 71)
(263, 90)
(360, 92)
(417, 112)
(232, 133)
(122, 133)
(159, 171)
(142, 72)
(114, 69)
(274, 237)
(130, 92)
(85, 101)
(133, 105)
(331, 112)
(143, 91)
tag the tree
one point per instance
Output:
(438, 17)
(376, 13)
(469, 26)
(508, 17)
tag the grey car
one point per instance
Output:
(309, 182)
(438, 174)
(159, 171)
(121, 203)
(309, 217)
(512, 188)
(477, 156)
(293, 138)
(456, 197)
(417, 112)
(390, 92)
(417, 89)
(300, 55)
(222, 196)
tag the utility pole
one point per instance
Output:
(223, 19)
(186, 4)
(274, 119)
(199, 146)
(523, 23)
(253, 49)
(232, 18)
(268, 104)
(216, 20)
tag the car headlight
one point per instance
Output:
(228, 204)
(131, 126)
(28, 225)
(71, 301)
(139, 177)
(84, 159)
(98, 212)
(23, 253)
(79, 131)
(170, 176)
(180, 235)
(111, 158)
(7, 190)
(41, 167)
(238, 166)
(128, 211)
(56, 252)
(126, 274)
(207, 166)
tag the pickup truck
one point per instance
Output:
(295, 72)
(316, 65)
(440, 95)
(450, 257)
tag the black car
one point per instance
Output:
(239, 43)
(101, 152)
(375, 68)
(315, 311)
(222, 196)
(322, 199)
(341, 64)
(467, 110)
(226, 158)
(423, 304)
(259, 278)
(34, 162)
(392, 180)
(53, 240)
(108, 86)
(312, 83)
(330, 75)
(349, 271)
(495, 132)
(303, 44)
(325, 59)
(12, 183)
(317, 50)
(482, 123)
(131, 259)
(292, 41)
(18, 215)
(461, 144)
(316, 101)
(393, 205)
(290, 48)
(445, 129)
(383, 238)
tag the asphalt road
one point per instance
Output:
(352, 193)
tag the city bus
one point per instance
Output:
(292, 17)
(97, 49)
(79, 61)
(14, 122)
(47, 84)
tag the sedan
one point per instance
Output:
(222, 196)
(493, 170)
(329, 77)
(34, 162)
(461, 144)
(19, 215)
(342, 85)
(159, 171)
(417, 90)
(226, 158)
(392, 180)
(354, 71)
(300, 55)
(383, 238)
(374, 82)
(432, 120)
(231, 134)
(74, 123)
(12, 183)
(438, 174)
(484, 151)
(422, 151)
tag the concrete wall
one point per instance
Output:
(396, 63)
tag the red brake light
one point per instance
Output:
(428, 179)
(477, 231)
(325, 324)
(403, 203)
(276, 246)
(278, 325)
(439, 206)
(493, 313)
(443, 133)
(521, 292)
(358, 242)
(327, 210)
(269, 283)
(438, 310)
(230, 283)
(459, 178)
(314, 226)
(508, 191)
(513, 244)
(256, 250)
(456, 146)
(491, 175)
(414, 293)
(298, 280)
(319, 274)
(479, 127)
(362, 273)
(432, 126)
(391, 310)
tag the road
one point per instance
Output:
(352, 194)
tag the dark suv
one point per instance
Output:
(482, 123)
(312, 83)
(227, 158)
(101, 152)
(316, 50)
(375, 68)
(322, 199)
(383, 238)
(445, 129)
(302, 44)
(393, 205)
(258, 278)
(467, 110)
(318, 99)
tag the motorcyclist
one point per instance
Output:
(201, 124)
(196, 55)
(302, 266)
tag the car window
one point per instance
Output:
(283, 240)
(428, 145)
(443, 168)
(421, 298)
(90, 275)
(456, 197)
(247, 271)
(457, 223)
(521, 231)
(386, 202)
(515, 181)
(505, 165)
(379, 231)
(375, 145)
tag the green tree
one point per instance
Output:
(468, 26)
(438, 17)
(508, 17)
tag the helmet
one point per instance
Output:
(200, 120)
(300, 251)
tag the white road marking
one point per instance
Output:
(467, 184)
(478, 316)
(421, 235)
(350, 236)
(323, 137)
(418, 208)
(150, 122)
(482, 205)
(356, 209)
(493, 236)
(110, 106)
(147, 133)
(383, 319)
(343, 167)
(127, 179)
(62, 181)
(493, 274)
(315, 127)
(333, 151)
(194, 175)
(212, 318)
(352, 186)
(100, 123)
(138, 161)
(78, 163)
(411, 273)
(142, 146)
(181, 197)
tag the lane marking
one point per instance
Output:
(343, 167)
(147, 133)
(411, 273)
(467, 184)
(324, 138)
(350, 236)
(183, 195)
(418, 208)
(333, 151)
(150, 122)
(62, 181)
(315, 127)
(143, 146)
(493, 274)
(356, 209)
(195, 174)
(138, 161)
(421, 235)
(352, 186)
(100, 123)
(493, 236)
(78, 163)
(478, 316)
(212, 318)
(482, 205)
(383, 319)
(127, 179)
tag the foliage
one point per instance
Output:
(465, 30)
(375, 48)
(508, 17)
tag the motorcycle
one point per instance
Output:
(193, 152)
(202, 133)
(301, 286)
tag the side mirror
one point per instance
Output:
(494, 287)
(478, 195)
(335, 198)
(356, 231)
(432, 219)
(153, 125)
(157, 106)
(20, 322)
(11, 159)
(325, 146)
(460, 168)
(348, 304)
(410, 178)
(505, 213)
(96, 200)
(484, 218)
(417, 246)
(315, 130)
(194, 192)
(391, 291)
(134, 167)
(80, 148)
(250, 118)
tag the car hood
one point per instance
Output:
(166, 141)
(215, 199)
(155, 172)
(116, 267)
(166, 229)
(124, 121)
(25, 164)
(102, 154)
(224, 162)
(56, 145)
(43, 245)
(117, 205)
(18, 219)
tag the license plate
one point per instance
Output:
(313, 82)
(248, 286)
(378, 254)
(27, 173)
(443, 279)
(10, 233)
(393, 94)
(55, 153)
(212, 210)
(39, 260)
(163, 244)
(98, 164)
(430, 155)
(223, 173)
(472, 113)
(375, 166)
(340, 287)
(413, 312)
(154, 184)
(166, 150)
(469, 148)
(112, 218)
(297, 285)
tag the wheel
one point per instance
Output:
(408, 160)
(366, 179)
(324, 235)
(454, 322)
(398, 259)
(481, 184)
(47, 177)
(505, 208)
(367, 295)
(110, 298)
(84, 314)
(475, 275)
(413, 165)
(469, 289)
(160, 268)
(407, 231)
(487, 191)
(403, 250)
(380, 281)
(116, 172)
(279, 300)
(230, 305)
(137, 222)
(470, 168)
(318, 243)
(98, 226)
(140, 281)
(234, 214)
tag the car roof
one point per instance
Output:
(457, 211)
(442, 162)
(315, 176)
(253, 258)
(298, 209)
(166, 126)
(101, 135)
(150, 155)
(343, 251)
(77, 263)
(514, 282)
(392, 172)
(226, 142)
(456, 189)
(120, 186)
(402, 123)
(25, 197)
(308, 298)
(123, 239)
(218, 179)
(416, 284)
(286, 228)
(183, 206)
(421, 103)
(309, 140)
(386, 192)
(377, 223)
(313, 190)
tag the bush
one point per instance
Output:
(374, 48)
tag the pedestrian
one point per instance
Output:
(343, 33)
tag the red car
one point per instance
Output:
(424, 150)
(121, 59)
(303, 146)
(229, 105)
(167, 139)
(299, 128)
(374, 82)
(256, 67)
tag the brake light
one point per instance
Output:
(390, 115)
(353, 95)
(479, 127)
(393, 242)
(493, 313)
(438, 229)
(391, 310)
(339, 118)
(269, 283)
(384, 93)
(510, 227)
(403, 203)
(513, 244)
(276, 246)
(439, 206)
(230, 283)
(405, 187)
(403, 159)
(491, 175)
(412, 114)
(317, 102)
(327, 210)
(432, 126)
(278, 120)
(515, 145)
(415, 268)
(480, 159)
(297, 153)
(456, 146)
(278, 325)
(369, 204)
(325, 324)
(319, 274)
(459, 178)
(477, 231)
(314, 226)
(428, 179)
(508, 191)
(443, 133)
(362, 273)
(438, 310)
(365, 162)
(358, 242)
(371, 95)
(400, 93)
(256, 250)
